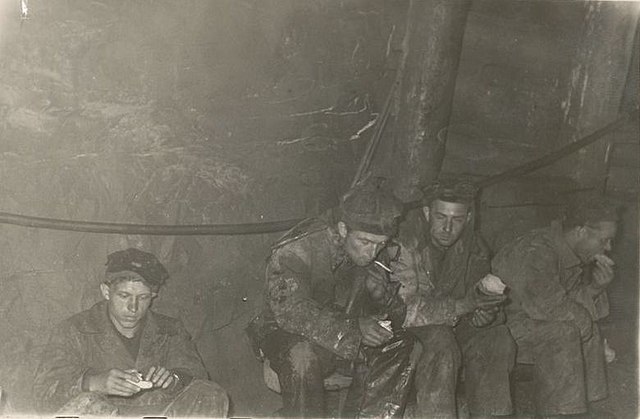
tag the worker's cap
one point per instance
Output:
(590, 210)
(450, 189)
(371, 207)
(134, 264)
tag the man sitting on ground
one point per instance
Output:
(120, 357)
(558, 276)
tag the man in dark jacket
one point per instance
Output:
(119, 357)
(558, 276)
(441, 261)
(307, 324)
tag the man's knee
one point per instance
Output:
(439, 343)
(89, 403)
(303, 358)
(497, 343)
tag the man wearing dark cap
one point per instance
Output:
(306, 326)
(120, 357)
(441, 263)
(557, 277)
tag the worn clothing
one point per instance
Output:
(553, 318)
(310, 321)
(88, 342)
(308, 275)
(432, 279)
(304, 324)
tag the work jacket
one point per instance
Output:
(88, 341)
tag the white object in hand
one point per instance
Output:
(491, 285)
(386, 324)
(143, 384)
(604, 259)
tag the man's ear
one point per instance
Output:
(469, 216)
(342, 229)
(105, 291)
(426, 211)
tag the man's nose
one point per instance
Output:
(448, 225)
(133, 305)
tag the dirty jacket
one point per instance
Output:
(88, 341)
(308, 277)
(429, 291)
(547, 282)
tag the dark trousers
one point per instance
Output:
(567, 371)
(302, 367)
(488, 357)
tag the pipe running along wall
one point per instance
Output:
(277, 226)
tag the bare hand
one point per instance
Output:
(483, 318)
(602, 272)
(159, 376)
(372, 333)
(476, 300)
(114, 382)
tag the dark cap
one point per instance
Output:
(450, 189)
(142, 263)
(591, 210)
(372, 208)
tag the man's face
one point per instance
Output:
(361, 247)
(128, 302)
(595, 240)
(447, 221)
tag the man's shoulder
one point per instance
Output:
(306, 229)
(88, 321)
(538, 244)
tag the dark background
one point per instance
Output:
(234, 111)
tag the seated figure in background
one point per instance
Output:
(558, 276)
(120, 357)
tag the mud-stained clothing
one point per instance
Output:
(432, 279)
(310, 323)
(552, 317)
(88, 343)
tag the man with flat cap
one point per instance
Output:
(441, 263)
(558, 276)
(307, 325)
(120, 357)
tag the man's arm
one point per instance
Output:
(532, 274)
(289, 297)
(417, 291)
(61, 371)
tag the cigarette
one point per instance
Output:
(383, 266)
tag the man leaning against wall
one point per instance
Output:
(122, 358)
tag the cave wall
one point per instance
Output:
(166, 112)
(230, 111)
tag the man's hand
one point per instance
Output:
(602, 272)
(476, 300)
(114, 382)
(160, 377)
(482, 318)
(372, 333)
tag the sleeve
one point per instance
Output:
(183, 358)
(597, 306)
(532, 274)
(61, 370)
(417, 292)
(289, 298)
